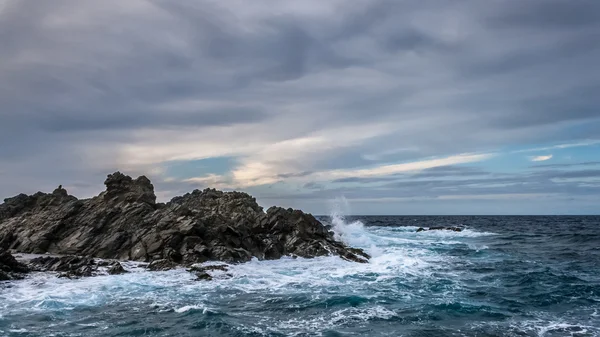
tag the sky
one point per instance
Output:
(368, 107)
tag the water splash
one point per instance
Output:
(351, 233)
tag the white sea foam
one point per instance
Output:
(191, 307)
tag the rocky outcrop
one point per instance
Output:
(67, 266)
(116, 269)
(75, 266)
(202, 274)
(125, 223)
(10, 268)
(439, 228)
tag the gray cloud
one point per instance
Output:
(521, 183)
(575, 174)
(589, 163)
(82, 82)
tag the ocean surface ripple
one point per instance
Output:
(501, 276)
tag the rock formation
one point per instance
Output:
(70, 266)
(10, 268)
(125, 223)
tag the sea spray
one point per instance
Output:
(352, 233)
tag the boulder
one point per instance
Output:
(161, 265)
(10, 268)
(116, 269)
(203, 276)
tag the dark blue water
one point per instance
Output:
(502, 276)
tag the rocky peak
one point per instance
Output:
(223, 202)
(60, 192)
(121, 187)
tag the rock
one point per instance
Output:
(10, 268)
(124, 222)
(116, 269)
(120, 187)
(86, 271)
(68, 266)
(222, 267)
(203, 276)
(202, 271)
(420, 229)
(161, 265)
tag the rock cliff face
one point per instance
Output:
(125, 222)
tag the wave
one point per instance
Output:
(453, 283)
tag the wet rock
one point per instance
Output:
(10, 268)
(420, 229)
(203, 276)
(116, 269)
(202, 271)
(222, 267)
(162, 265)
(125, 223)
(86, 271)
(67, 266)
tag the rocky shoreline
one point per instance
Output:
(126, 223)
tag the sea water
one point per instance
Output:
(500, 276)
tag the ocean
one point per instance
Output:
(500, 276)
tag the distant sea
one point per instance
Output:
(500, 276)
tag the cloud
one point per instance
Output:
(407, 167)
(316, 91)
(541, 158)
(589, 163)
(561, 146)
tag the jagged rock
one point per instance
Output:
(10, 268)
(68, 266)
(75, 266)
(162, 264)
(221, 267)
(116, 269)
(125, 223)
(203, 276)
(202, 271)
